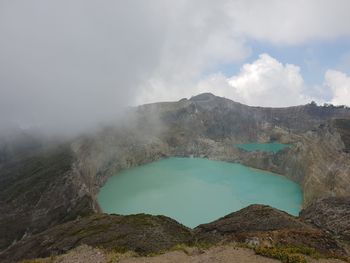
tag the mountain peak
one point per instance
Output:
(203, 97)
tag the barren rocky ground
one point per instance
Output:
(218, 254)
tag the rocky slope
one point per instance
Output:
(262, 225)
(255, 225)
(331, 214)
(227, 253)
(45, 186)
(141, 233)
(317, 161)
(38, 192)
(209, 126)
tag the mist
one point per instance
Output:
(70, 65)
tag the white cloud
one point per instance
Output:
(204, 34)
(264, 82)
(291, 22)
(339, 83)
(70, 63)
(267, 82)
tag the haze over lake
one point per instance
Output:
(272, 147)
(195, 191)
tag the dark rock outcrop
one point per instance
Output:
(264, 225)
(330, 214)
(252, 219)
(141, 233)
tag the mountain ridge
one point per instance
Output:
(204, 126)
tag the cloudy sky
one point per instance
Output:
(67, 64)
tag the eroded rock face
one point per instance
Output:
(209, 126)
(330, 214)
(343, 127)
(317, 161)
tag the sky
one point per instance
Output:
(66, 65)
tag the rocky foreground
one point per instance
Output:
(229, 253)
(254, 226)
(48, 189)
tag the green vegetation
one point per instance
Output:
(141, 220)
(39, 260)
(32, 261)
(288, 254)
(24, 181)
(117, 253)
(185, 247)
(285, 255)
(28, 178)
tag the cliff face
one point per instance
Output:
(51, 186)
(37, 192)
(208, 126)
(318, 161)
(331, 214)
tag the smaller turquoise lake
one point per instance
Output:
(195, 191)
(263, 147)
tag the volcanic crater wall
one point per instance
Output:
(204, 126)
(208, 126)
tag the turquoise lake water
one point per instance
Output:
(195, 191)
(263, 147)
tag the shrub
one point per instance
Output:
(285, 255)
